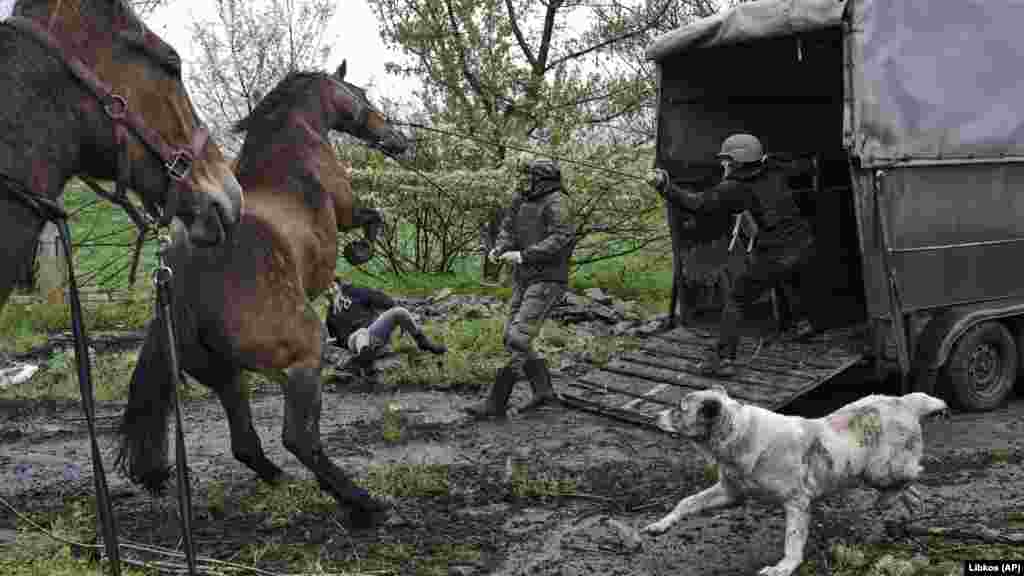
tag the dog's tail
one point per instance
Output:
(143, 454)
(922, 404)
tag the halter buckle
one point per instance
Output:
(179, 165)
(117, 107)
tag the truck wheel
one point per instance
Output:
(982, 367)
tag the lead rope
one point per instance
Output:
(162, 278)
(105, 510)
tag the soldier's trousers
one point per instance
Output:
(767, 271)
(529, 308)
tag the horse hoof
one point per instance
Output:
(359, 518)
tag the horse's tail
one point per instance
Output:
(144, 445)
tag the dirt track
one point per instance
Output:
(973, 472)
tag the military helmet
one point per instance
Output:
(743, 148)
(542, 169)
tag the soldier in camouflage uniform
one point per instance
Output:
(537, 237)
(784, 243)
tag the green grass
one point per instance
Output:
(941, 558)
(23, 326)
(34, 553)
(524, 484)
(280, 504)
(408, 480)
(395, 558)
(58, 378)
(644, 276)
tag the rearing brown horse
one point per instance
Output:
(245, 305)
(88, 89)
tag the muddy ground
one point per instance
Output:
(972, 474)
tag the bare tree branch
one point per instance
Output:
(650, 24)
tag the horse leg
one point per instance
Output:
(233, 391)
(301, 436)
(21, 227)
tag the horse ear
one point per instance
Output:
(340, 73)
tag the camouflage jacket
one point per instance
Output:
(539, 226)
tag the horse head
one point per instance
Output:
(129, 94)
(358, 117)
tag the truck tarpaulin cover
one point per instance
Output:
(749, 21)
(937, 79)
(930, 80)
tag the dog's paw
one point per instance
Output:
(655, 529)
(783, 568)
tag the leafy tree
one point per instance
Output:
(247, 49)
(545, 72)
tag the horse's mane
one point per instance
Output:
(294, 85)
(118, 5)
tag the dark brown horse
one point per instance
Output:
(89, 90)
(245, 305)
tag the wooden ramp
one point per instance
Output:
(635, 386)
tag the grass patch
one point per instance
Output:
(1000, 456)
(1015, 519)
(476, 351)
(543, 485)
(58, 379)
(393, 558)
(281, 504)
(408, 480)
(941, 558)
(644, 276)
(302, 558)
(34, 553)
(23, 326)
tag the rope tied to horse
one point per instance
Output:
(50, 211)
(479, 140)
(163, 276)
(162, 282)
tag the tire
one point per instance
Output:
(982, 368)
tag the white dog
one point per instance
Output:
(792, 461)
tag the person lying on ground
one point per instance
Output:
(363, 319)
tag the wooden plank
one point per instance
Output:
(629, 383)
(761, 363)
(652, 392)
(648, 405)
(775, 354)
(744, 374)
(601, 393)
(610, 412)
(635, 386)
(594, 390)
(778, 353)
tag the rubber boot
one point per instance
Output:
(424, 343)
(540, 381)
(496, 404)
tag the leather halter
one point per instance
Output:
(177, 161)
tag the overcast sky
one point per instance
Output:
(353, 34)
